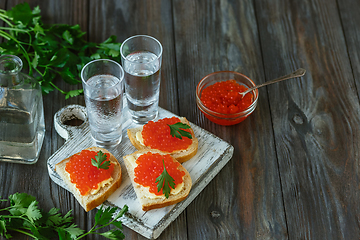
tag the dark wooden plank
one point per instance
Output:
(316, 119)
(244, 200)
(127, 18)
(350, 19)
(350, 22)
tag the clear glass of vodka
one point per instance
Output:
(141, 58)
(103, 86)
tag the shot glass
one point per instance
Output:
(103, 86)
(141, 57)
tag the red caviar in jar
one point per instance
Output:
(150, 166)
(83, 174)
(157, 136)
(223, 97)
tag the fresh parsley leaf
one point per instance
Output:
(32, 212)
(22, 14)
(104, 215)
(113, 235)
(165, 182)
(21, 199)
(74, 93)
(46, 87)
(3, 229)
(62, 234)
(35, 61)
(68, 37)
(68, 76)
(117, 224)
(121, 212)
(96, 56)
(60, 58)
(67, 218)
(74, 231)
(175, 130)
(53, 217)
(19, 203)
(38, 29)
(100, 161)
(111, 49)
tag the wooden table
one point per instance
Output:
(295, 172)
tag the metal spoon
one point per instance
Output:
(298, 73)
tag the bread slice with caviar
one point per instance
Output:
(182, 155)
(139, 170)
(94, 197)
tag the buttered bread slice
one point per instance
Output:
(146, 171)
(160, 136)
(105, 180)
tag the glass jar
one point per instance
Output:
(22, 126)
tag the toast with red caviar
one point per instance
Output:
(163, 140)
(90, 198)
(138, 165)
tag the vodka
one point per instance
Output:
(22, 125)
(104, 107)
(142, 78)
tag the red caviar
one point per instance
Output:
(157, 136)
(223, 97)
(83, 174)
(150, 166)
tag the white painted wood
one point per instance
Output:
(212, 155)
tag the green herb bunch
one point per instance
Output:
(51, 51)
(24, 216)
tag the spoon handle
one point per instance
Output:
(298, 73)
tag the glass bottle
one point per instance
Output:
(22, 126)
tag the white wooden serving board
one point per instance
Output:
(212, 155)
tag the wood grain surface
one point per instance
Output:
(295, 172)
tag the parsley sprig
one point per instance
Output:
(176, 130)
(52, 51)
(100, 161)
(165, 182)
(24, 216)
